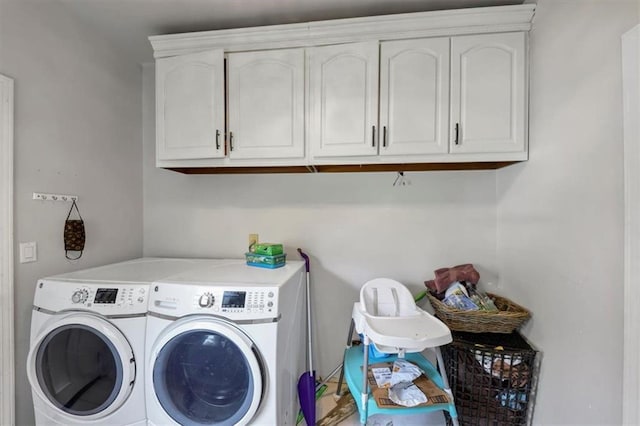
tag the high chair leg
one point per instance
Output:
(365, 382)
(348, 345)
(445, 382)
(443, 373)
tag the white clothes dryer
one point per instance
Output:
(87, 342)
(225, 346)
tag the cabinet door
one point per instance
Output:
(266, 104)
(343, 99)
(190, 106)
(488, 93)
(414, 96)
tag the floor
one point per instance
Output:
(432, 419)
(328, 401)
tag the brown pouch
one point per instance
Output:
(74, 234)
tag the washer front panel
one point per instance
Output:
(205, 371)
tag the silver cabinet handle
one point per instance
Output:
(384, 136)
(231, 141)
(373, 136)
(217, 139)
(457, 140)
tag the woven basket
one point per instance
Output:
(509, 318)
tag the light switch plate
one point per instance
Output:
(28, 252)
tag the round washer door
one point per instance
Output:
(206, 371)
(82, 366)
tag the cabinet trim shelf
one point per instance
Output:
(345, 168)
(491, 19)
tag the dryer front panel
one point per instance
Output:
(82, 366)
(207, 372)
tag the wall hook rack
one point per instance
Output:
(54, 197)
(401, 180)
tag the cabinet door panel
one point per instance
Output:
(190, 106)
(266, 104)
(343, 87)
(488, 93)
(414, 96)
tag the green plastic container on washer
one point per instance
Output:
(268, 248)
(265, 261)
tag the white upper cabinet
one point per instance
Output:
(488, 93)
(412, 101)
(414, 96)
(266, 104)
(414, 91)
(343, 100)
(190, 106)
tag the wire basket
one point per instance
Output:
(493, 378)
(509, 317)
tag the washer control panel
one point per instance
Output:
(106, 298)
(237, 303)
(249, 301)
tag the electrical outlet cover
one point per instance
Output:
(253, 240)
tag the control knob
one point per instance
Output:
(206, 300)
(79, 296)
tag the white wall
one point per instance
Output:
(354, 226)
(77, 131)
(560, 215)
(559, 239)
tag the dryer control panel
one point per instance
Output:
(104, 298)
(237, 303)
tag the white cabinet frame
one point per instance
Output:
(190, 106)
(265, 101)
(7, 366)
(489, 93)
(631, 101)
(343, 100)
(414, 96)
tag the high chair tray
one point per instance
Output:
(413, 333)
(353, 362)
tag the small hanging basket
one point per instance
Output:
(509, 317)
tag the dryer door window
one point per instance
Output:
(82, 366)
(208, 376)
(79, 369)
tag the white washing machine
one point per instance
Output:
(225, 346)
(87, 342)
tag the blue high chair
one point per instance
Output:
(387, 318)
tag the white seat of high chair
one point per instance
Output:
(388, 315)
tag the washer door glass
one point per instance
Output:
(204, 377)
(79, 369)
